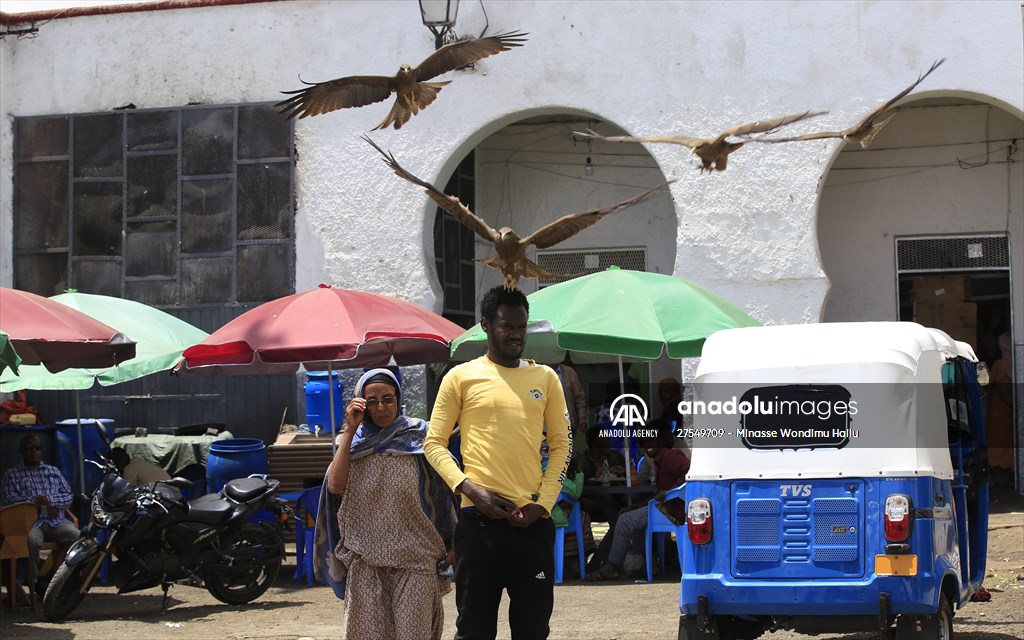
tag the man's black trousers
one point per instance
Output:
(492, 555)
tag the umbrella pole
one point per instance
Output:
(330, 404)
(81, 454)
(629, 476)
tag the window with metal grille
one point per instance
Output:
(568, 264)
(453, 249)
(923, 254)
(169, 207)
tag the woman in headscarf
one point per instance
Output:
(388, 554)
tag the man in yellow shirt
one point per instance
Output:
(505, 537)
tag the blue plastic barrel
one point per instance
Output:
(97, 434)
(318, 409)
(234, 458)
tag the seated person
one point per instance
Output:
(670, 393)
(36, 482)
(137, 471)
(599, 507)
(591, 462)
(140, 471)
(573, 486)
(671, 465)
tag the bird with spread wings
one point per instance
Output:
(713, 152)
(410, 86)
(864, 131)
(510, 250)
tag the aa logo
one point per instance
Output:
(629, 410)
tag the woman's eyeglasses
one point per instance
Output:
(387, 401)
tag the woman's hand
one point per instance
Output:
(354, 414)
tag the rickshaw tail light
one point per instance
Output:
(898, 518)
(699, 523)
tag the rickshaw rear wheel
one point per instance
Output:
(938, 626)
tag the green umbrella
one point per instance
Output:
(160, 339)
(8, 358)
(617, 314)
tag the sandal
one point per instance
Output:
(606, 572)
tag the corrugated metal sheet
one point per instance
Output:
(249, 406)
(299, 461)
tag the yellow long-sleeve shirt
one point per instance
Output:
(502, 413)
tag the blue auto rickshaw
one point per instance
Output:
(838, 482)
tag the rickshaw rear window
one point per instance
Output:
(796, 417)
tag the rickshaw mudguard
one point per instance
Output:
(84, 550)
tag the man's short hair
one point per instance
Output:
(119, 456)
(498, 296)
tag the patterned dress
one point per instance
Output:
(391, 550)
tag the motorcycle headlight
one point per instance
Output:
(102, 517)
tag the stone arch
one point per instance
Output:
(948, 163)
(530, 169)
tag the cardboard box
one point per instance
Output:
(946, 314)
(942, 287)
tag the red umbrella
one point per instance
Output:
(323, 328)
(57, 336)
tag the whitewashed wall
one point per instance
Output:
(871, 197)
(649, 67)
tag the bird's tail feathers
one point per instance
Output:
(426, 93)
(493, 262)
(398, 116)
(530, 269)
(866, 141)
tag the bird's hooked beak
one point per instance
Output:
(506, 233)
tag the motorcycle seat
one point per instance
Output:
(209, 509)
(245, 489)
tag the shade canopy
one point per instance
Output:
(322, 328)
(617, 313)
(58, 337)
(8, 357)
(161, 338)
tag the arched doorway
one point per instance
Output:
(926, 225)
(530, 172)
(527, 172)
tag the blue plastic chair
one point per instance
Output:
(575, 524)
(658, 524)
(306, 508)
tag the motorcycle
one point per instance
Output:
(156, 538)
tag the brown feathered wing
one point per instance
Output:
(868, 127)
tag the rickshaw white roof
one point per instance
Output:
(899, 420)
(831, 343)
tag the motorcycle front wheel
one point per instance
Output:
(63, 594)
(252, 560)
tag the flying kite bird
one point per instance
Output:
(865, 130)
(510, 249)
(713, 152)
(410, 85)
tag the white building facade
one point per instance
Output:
(792, 233)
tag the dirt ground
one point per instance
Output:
(593, 611)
